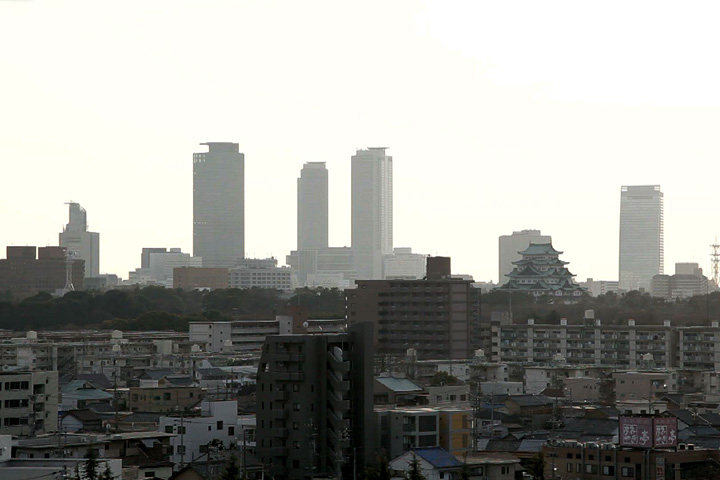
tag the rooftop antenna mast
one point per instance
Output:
(715, 260)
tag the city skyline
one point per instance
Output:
(480, 121)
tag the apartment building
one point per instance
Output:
(437, 316)
(314, 404)
(28, 403)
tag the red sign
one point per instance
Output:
(666, 434)
(648, 432)
(636, 432)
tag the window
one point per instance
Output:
(608, 470)
(569, 467)
(168, 429)
(166, 396)
(296, 407)
(219, 425)
(231, 430)
(504, 470)
(591, 469)
(296, 425)
(296, 444)
(627, 471)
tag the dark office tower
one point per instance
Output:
(81, 243)
(641, 236)
(312, 207)
(219, 205)
(372, 211)
(315, 404)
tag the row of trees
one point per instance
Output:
(611, 308)
(153, 308)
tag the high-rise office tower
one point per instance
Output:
(372, 211)
(641, 236)
(510, 247)
(312, 207)
(81, 243)
(219, 205)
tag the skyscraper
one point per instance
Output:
(312, 207)
(219, 204)
(641, 236)
(81, 243)
(510, 247)
(372, 211)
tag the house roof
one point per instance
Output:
(399, 384)
(485, 458)
(531, 400)
(438, 457)
(84, 390)
(98, 379)
(84, 415)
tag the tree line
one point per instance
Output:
(158, 308)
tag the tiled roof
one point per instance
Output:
(438, 457)
(540, 249)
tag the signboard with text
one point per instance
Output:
(648, 432)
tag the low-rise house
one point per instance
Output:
(84, 420)
(494, 465)
(164, 399)
(434, 462)
(398, 391)
(78, 394)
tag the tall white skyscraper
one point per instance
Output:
(312, 207)
(511, 245)
(80, 242)
(372, 211)
(641, 236)
(219, 205)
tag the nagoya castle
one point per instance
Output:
(541, 272)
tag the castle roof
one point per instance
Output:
(540, 249)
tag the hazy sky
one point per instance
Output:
(499, 116)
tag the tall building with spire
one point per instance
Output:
(641, 236)
(79, 242)
(312, 207)
(219, 205)
(372, 211)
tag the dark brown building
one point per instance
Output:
(436, 316)
(29, 270)
(602, 461)
(190, 278)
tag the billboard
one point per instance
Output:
(648, 432)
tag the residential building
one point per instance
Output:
(402, 264)
(435, 463)
(510, 247)
(456, 430)
(436, 316)
(541, 272)
(164, 398)
(219, 205)
(28, 403)
(218, 420)
(312, 207)
(587, 342)
(191, 278)
(29, 270)
(406, 429)
(260, 273)
(372, 211)
(314, 397)
(81, 243)
(495, 465)
(79, 394)
(641, 236)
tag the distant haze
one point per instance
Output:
(499, 116)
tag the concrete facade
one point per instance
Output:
(83, 244)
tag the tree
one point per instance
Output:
(379, 472)
(535, 466)
(91, 465)
(444, 379)
(232, 471)
(107, 474)
(414, 472)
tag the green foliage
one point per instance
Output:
(320, 302)
(612, 308)
(444, 379)
(107, 474)
(232, 470)
(380, 471)
(91, 465)
(414, 472)
(535, 466)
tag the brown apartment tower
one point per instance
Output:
(437, 316)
